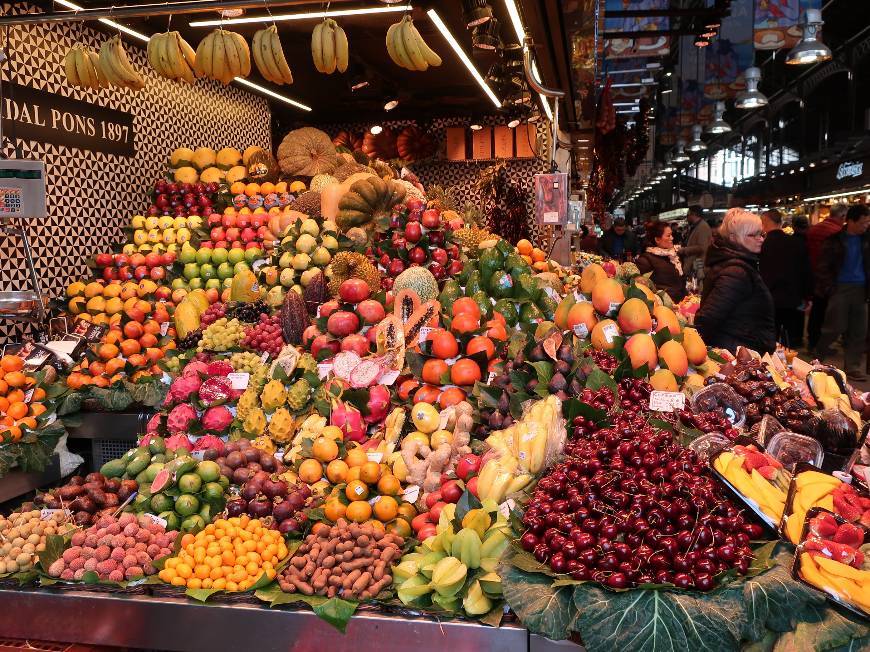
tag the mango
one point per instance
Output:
(634, 317)
(582, 313)
(607, 296)
(641, 351)
(604, 335)
(674, 356)
(560, 317)
(666, 318)
(664, 381)
(696, 350)
(590, 276)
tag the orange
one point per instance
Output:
(96, 368)
(480, 343)
(75, 380)
(466, 305)
(538, 255)
(444, 345)
(281, 186)
(38, 394)
(377, 526)
(107, 351)
(352, 474)
(324, 449)
(356, 457)
(17, 410)
(407, 387)
(129, 347)
(266, 188)
(28, 422)
(252, 189)
(370, 472)
(434, 370)
(11, 363)
(133, 330)
(4, 403)
(310, 471)
(152, 327)
(36, 409)
(15, 379)
(4, 387)
(356, 490)
(154, 354)
(148, 340)
(101, 381)
(407, 511)
(464, 372)
(496, 331)
(359, 511)
(137, 360)
(524, 247)
(238, 188)
(451, 396)
(400, 527)
(427, 394)
(114, 365)
(13, 433)
(15, 395)
(465, 322)
(389, 485)
(334, 510)
(386, 508)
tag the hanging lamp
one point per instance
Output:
(718, 126)
(810, 49)
(751, 98)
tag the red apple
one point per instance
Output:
(125, 273)
(417, 255)
(322, 342)
(439, 256)
(169, 258)
(237, 244)
(372, 337)
(254, 244)
(153, 260)
(413, 232)
(471, 485)
(110, 273)
(103, 260)
(396, 267)
(157, 273)
(140, 272)
(243, 220)
(217, 234)
(371, 311)
(342, 323)
(414, 204)
(467, 465)
(420, 521)
(431, 218)
(326, 309)
(248, 234)
(309, 334)
(451, 491)
(207, 244)
(163, 293)
(229, 220)
(433, 498)
(357, 343)
(435, 511)
(233, 233)
(214, 219)
(122, 260)
(454, 267)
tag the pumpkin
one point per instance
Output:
(367, 201)
(414, 144)
(382, 145)
(307, 152)
(349, 140)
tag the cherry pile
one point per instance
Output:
(214, 312)
(265, 336)
(634, 394)
(630, 506)
(710, 421)
(604, 360)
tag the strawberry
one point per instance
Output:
(767, 472)
(754, 460)
(824, 526)
(850, 535)
(865, 518)
(848, 505)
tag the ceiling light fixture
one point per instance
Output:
(810, 49)
(697, 145)
(702, 41)
(486, 36)
(476, 126)
(445, 32)
(513, 123)
(375, 129)
(718, 126)
(751, 98)
(145, 38)
(680, 155)
(475, 12)
(310, 15)
(520, 31)
(391, 104)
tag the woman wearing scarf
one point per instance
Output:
(662, 259)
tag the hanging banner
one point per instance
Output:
(776, 22)
(33, 114)
(650, 46)
(730, 53)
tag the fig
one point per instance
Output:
(236, 507)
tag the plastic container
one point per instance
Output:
(790, 448)
(709, 445)
(764, 430)
(721, 395)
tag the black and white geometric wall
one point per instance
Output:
(92, 195)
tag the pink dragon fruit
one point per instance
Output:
(178, 440)
(194, 368)
(217, 419)
(147, 438)
(180, 418)
(155, 424)
(219, 368)
(184, 388)
(215, 391)
(210, 442)
(379, 403)
(349, 420)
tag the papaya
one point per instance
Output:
(405, 304)
(425, 315)
(244, 287)
(199, 300)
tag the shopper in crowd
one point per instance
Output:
(588, 240)
(842, 273)
(785, 269)
(816, 236)
(800, 225)
(662, 259)
(697, 241)
(618, 242)
(736, 306)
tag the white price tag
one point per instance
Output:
(610, 332)
(581, 331)
(388, 378)
(666, 401)
(550, 292)
(323, 369)
(506, 507)
(579, 296)
(164, 328)
(411, 493)
(257, 264)
(490, 378)
(239, 379)
(424, 333)
(155, 519)
(198, 455)
(265, 357)
(614, 306)
(374, 499)
(375, 457)
(46, 514)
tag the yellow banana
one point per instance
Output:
(234, 63)
(174, 55)
(106, 67)
(203, 65)
(411, 46)
(317, 47)
(429, 54)
(163, 50)
(391, 49)
(133, 78)
(187, 52)
(341, 49)
(151, 54)
(182, 59)
(69, 66)
(244, 53)
(285, 76)
(399, 47)
(95, 62)
(258, 55)
(83, 68)
(111, 66)
(219, 58)
(327, 45)
(267, 54)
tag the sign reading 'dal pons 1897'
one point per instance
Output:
(33, 114)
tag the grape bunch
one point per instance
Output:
(265, 336)
(245, 361)
(222, 335)
(214, 312)
(247, 312)
(190, 341)
(172, 365)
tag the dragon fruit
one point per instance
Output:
(210, 442)
(378, 404)
(215, 391)
(180, 418)
(155, 424)
(183, 389)
(195, 368)
(349, 420)
(219, 368)
(217, 419)
(178, 440)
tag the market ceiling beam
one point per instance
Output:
(147, 11)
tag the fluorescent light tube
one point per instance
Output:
(309, 15)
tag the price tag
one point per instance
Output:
(490, 378)
(239, 379)
(424, 333)
(375, 457)
(550, 292)
(610, 332)
(46, 514)
(255, 267)
(506, 507)
(579, 296)
(155, 519)
(411, 493)
(29, 395)
(666, 401)
(374, 499)
(164, 328)
(388, 378)
(581, 331)
(359, 491)
(318, 312)
(265, 357)
(551, 217)
(279, 454)
(323, 369)
(198, 455)
(614, 306)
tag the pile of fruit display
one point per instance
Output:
(360, 396)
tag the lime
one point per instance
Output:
(157, 445)
(172, 520)
(224, 481)
(186, 504)
(208, 471)
(192, 524)
(189, 483)
(212, 492)
(160, 503)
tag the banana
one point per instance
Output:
(412, 48)
(83, 67)
(267, 53)
(279, 58)
(219, 59)
(234, 63)
(399, 47)
(187, 51)
(111, 66)
(341, 51)
(391, 49)
(327, 44)
(181, 59)
(151, 54)
(430, 55)
(95, 61)
(133, 78)
(244, 53)
(317, 47)
(203, 65)
(164, 52)
(69, 66)
(258, 56)
(106, 68)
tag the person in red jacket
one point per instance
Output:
(816, 236)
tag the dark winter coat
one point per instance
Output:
(664, 275)
(605, 244)
(785, 268)
(831, 260)
(736, 306)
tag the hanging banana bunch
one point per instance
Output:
(116, 67)
(172, 57)
(269, 56)
(407, 48)
(329, 47)
(82, 68)
(223, 55)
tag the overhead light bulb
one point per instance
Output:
(513, 123)
(475, 12)
(476, 126)
(310, 15)
(376, 129)
(718, 126)
(669, 167)
(680, 155)
(751, 98)
(810, 49)
(391, 104)
(697, 145)
(702, 41)
(486, 36)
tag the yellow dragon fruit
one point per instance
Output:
(281, 425)
(255, 422)
(249, 400)
(274, 395)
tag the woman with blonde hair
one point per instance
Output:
(736, 306)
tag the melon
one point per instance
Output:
(237, 173)
(418, 279)
(186, 174)
(203, 157)
(180, 157)
(248, 153)
(228, 157)
(212, 175)
(161, 481)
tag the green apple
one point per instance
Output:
(207, 271)
(329, 242)
(228, 282)
(241, 266)
(308, 276)
(329, 225)
(288, 276)
(203, 256)
(235, 256)
(219, 255)
(286, 260)
(306, 243)
(178, 284)
(252, 254)
(310, 227)
(191, 271)
(187, 253)
(301, 261)
(224, 270)
(213, 283)
(321, 257)
(275, 296)
(196, 284)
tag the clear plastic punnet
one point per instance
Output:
(721, 395)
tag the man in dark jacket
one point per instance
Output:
(842, 277)
(816, 236)
(618, 242)
(697, 241)
(785, 269)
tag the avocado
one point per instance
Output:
(548, 306)
(508, 310)
(449, 294)
(484, 304)
(527, 287)
(473, 284)
(504, 248)
(113, 469)
(501, 285)
(529, 313)
(468, 267)
(491, 260)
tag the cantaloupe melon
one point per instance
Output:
(180, 157)
(228, 157)
(212, 175)
(186, 174)
(237, 173)
(203, 157)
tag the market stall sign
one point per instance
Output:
(33, 114)
(850, 170)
